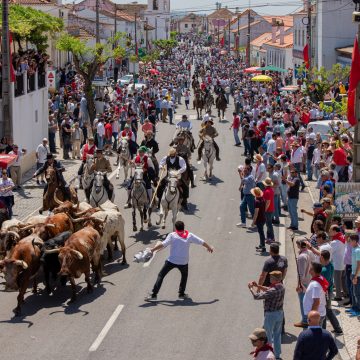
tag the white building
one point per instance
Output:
(157, 15)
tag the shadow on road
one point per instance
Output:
(148, 235)
(288, 338)
(187, 302)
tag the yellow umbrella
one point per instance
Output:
(261, 78)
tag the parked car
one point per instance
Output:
(323, 127)
(125, 80)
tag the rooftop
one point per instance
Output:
(347, 51)
(246, 26)
(287, 19)
(221, 14)
(288, 42)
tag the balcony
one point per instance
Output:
(27, 82)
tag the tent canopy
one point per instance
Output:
(272, 68)
(262, 78)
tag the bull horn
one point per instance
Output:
(77, 253)
(15, 234)
(37, 242)
(52, 251)
(81, 213)
(21, 263)
(28, 227)
(56, 199)
(80, 219)
(50, 225)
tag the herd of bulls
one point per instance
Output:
(65, 244)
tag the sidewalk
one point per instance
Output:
(29, 199)
(347, 343)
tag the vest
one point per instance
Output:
(128, 134)
(88, 150)
(175, 165)
(142, 161)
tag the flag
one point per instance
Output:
(12, 71)
(354, 80)
(222, 42)
(306, 56)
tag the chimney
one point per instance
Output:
(282, 33)
(237, 10)
(273, 30)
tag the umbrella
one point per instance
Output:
(290, 88)
(252, 70)
(272, 68)
(262, 78)
(154, 72)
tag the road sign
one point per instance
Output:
(51, 83)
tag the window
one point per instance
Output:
(193, 25)
(304, 37)
(186, 26)
(155, 5)
(295, 37)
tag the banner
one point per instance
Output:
(347, 200)
(50, 78)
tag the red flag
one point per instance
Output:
(12, 71)
(354, 80)
(306, 56)
(222, 42)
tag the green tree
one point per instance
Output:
(88, 60)
(33, 26)
(165, 45)
(318, 82)
(173, 35)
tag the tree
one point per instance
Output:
(173, 35)
(31, 25)
(88, 60)
(318, 82)
(165, 45)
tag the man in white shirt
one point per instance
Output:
(314, 298)
(296, 159)
(179, 241)
(100, 133)
(41, 153)
(15, 169)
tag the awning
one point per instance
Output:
(252, 70)
(7, 160)
(272, 68)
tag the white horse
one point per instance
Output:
(88, 175)
(124, 158)
(98, 193)
(208, 157)
(170, 200)
(139, 199)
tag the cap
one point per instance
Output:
(317, 205)
(143, 149)
(268, 182)
(258, 334)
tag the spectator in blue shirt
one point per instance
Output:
(325, 180)
(247, 198)
(315, 343)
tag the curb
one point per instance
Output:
(343, 351)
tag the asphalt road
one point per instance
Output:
(114, 322)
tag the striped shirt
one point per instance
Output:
(4, 184)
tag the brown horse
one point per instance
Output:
(221, 105)
(53, 185)
(199, 104)
(195, 84)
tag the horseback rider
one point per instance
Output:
(183, 151)
(177, 163)
(88, 149)
(59, 169)
(150, 143)
(102, 164)
(130, 136)
(184, 123)
(143, 160)
(207, 129)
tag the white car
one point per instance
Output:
(323, 127)
(125, 80)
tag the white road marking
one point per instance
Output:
(194, 177)
(106, 328)
(282, 237)
(229, 232)
(219, 218)
(147, 264)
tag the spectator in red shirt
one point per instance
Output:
(269, 209)
(235, 126)
(339, 158)
(108, 135)
(262, 126)
(305, 117)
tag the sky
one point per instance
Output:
(263, 7)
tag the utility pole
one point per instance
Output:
(248, 39)
(146, 36)
(356, 159)
(155, 28)
(97, 22)
(237, 43)
(308, 31)
(136, 44)
(115, 22)
(229, 37)
(218, 29)
(6, 112)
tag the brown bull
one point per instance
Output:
(79, 251)
(21, 267)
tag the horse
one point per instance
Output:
(139, 199)
(98, 193)
(199, 104)
(221, 105)
(208, 157)
(188, 138)
(88, 176)
(195, 84)
(170, 200)
(53, 185)
(124, 158)
(209, 102)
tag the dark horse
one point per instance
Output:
(199, 103)
(221, 105)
